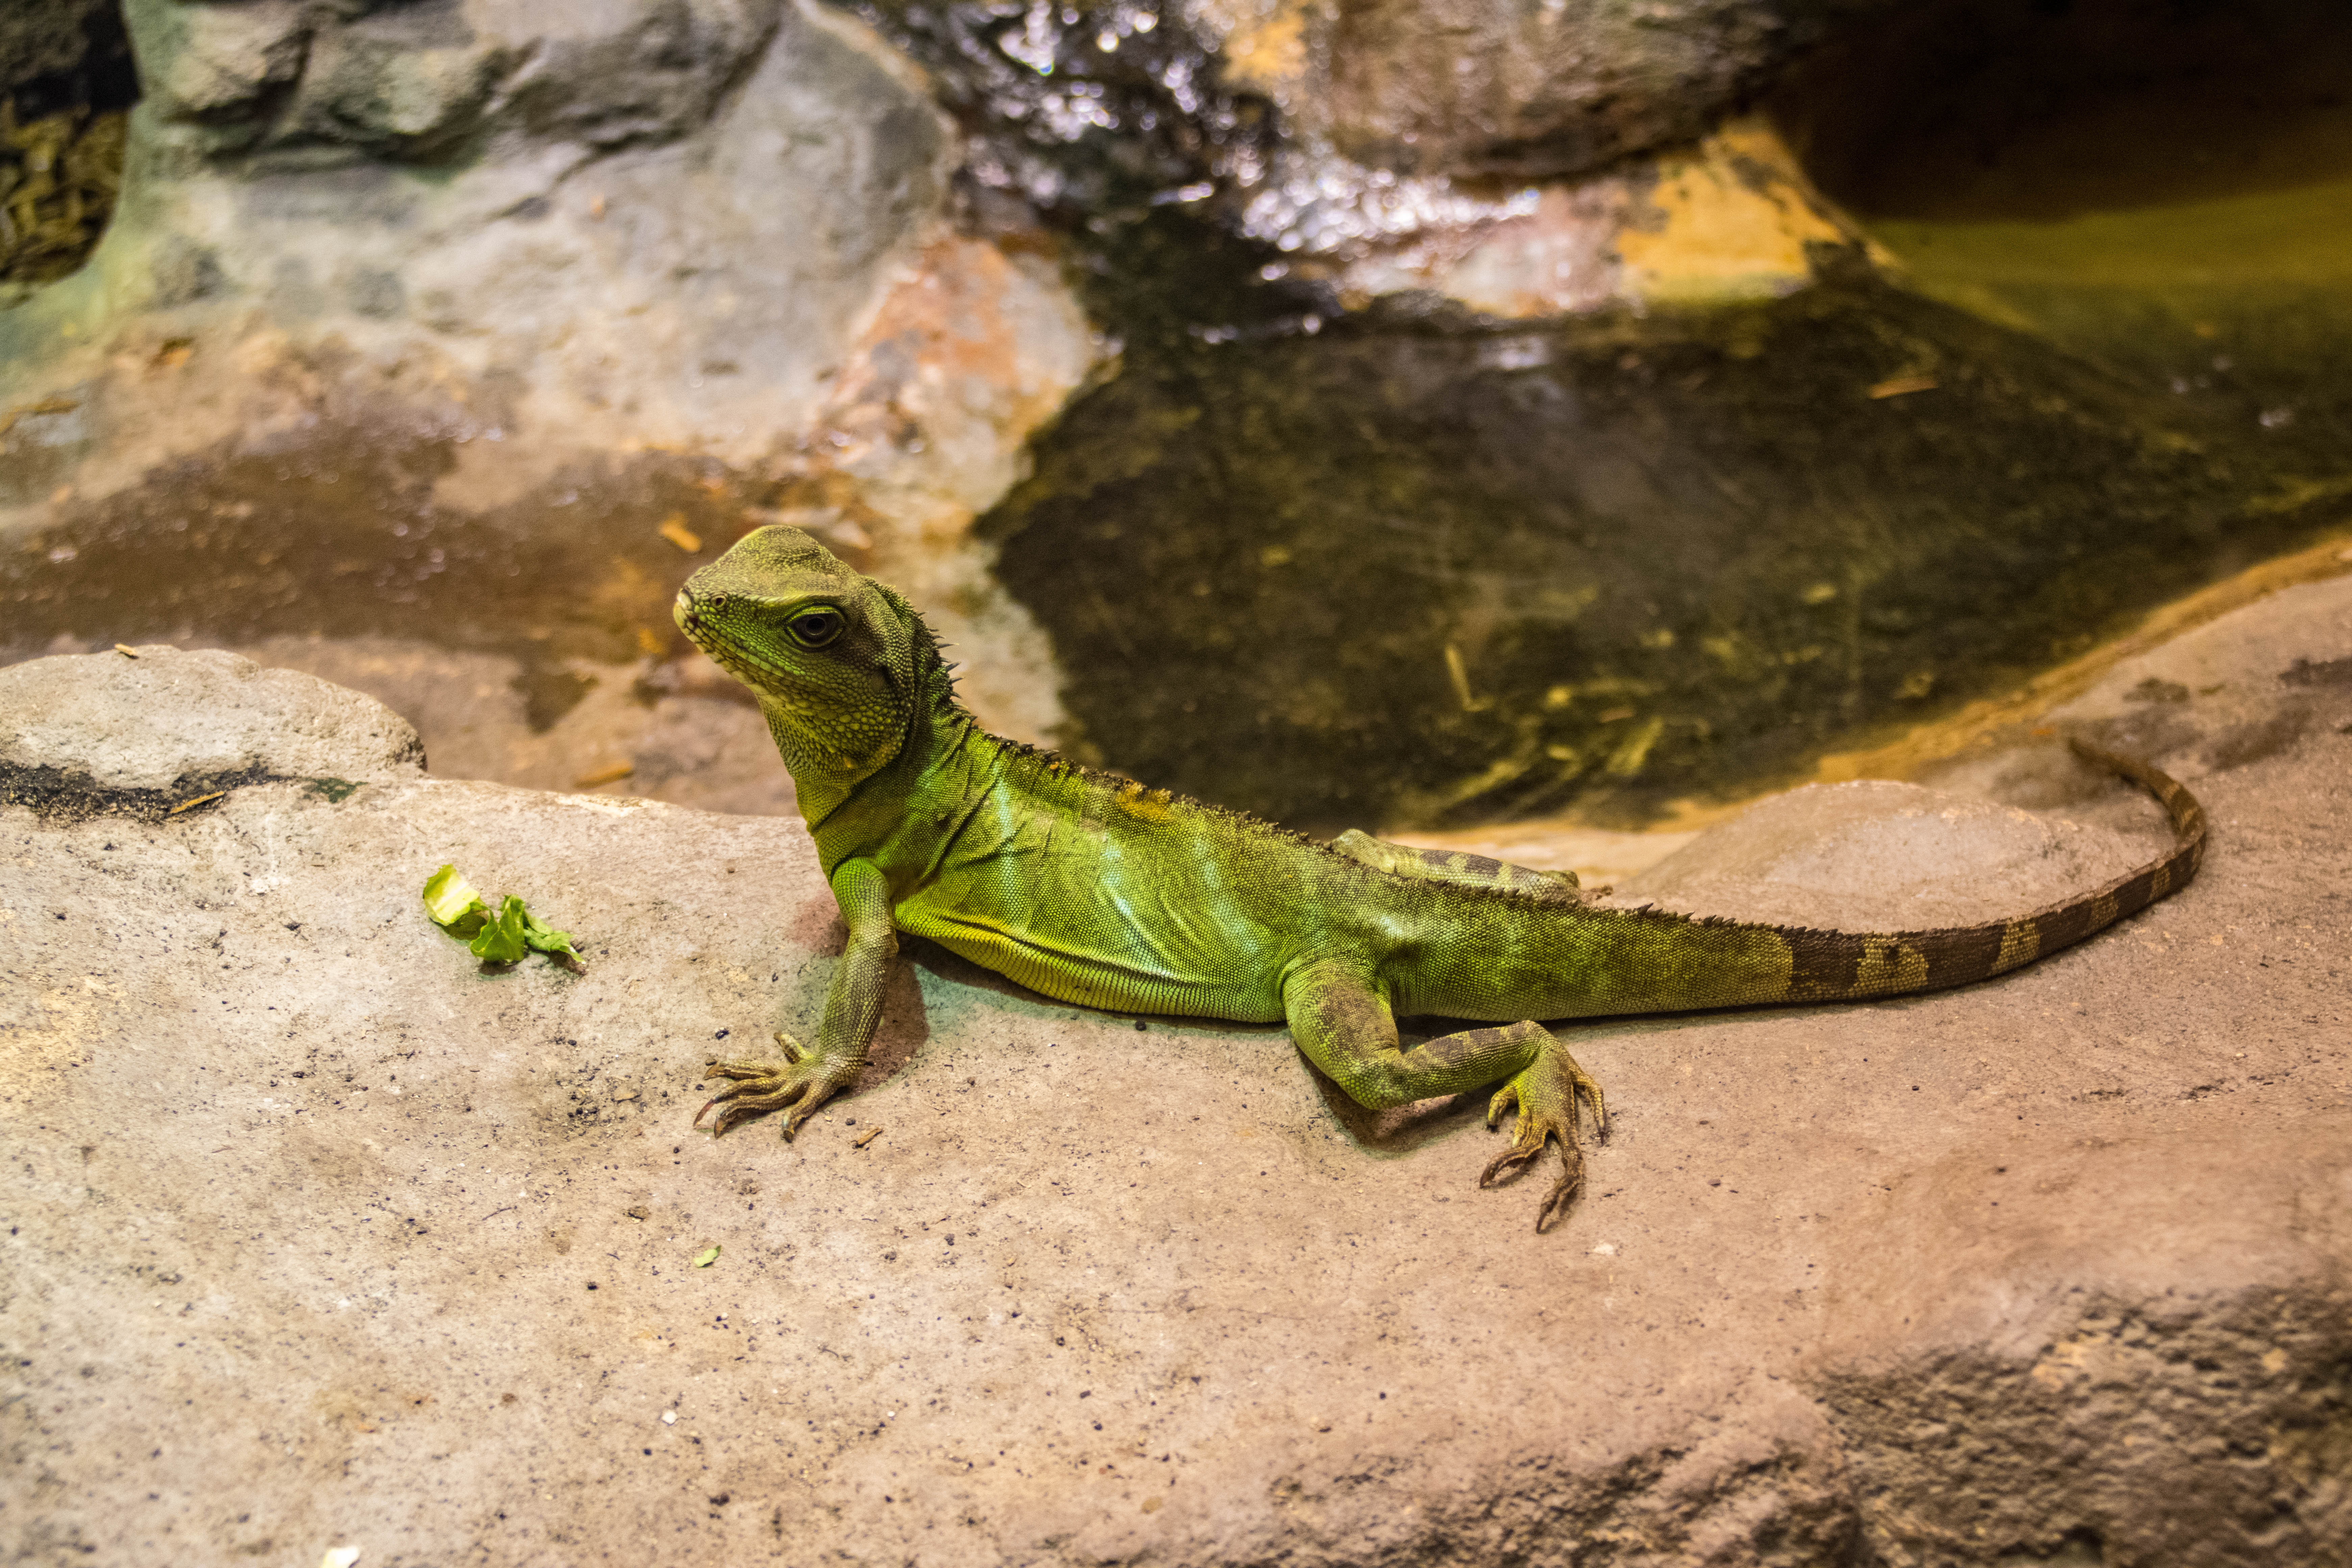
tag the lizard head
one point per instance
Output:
(836, 658)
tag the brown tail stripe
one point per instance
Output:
(1833, 964)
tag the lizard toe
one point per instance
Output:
(720, 1066)
(1563, 1193)
(738, 1106)
(805, 1110)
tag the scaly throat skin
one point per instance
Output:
(818, 789)
(825, 779)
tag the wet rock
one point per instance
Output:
(310, 1212)
(1731, 218)
(1483, 88)
(1421, 146)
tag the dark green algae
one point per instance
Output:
(1409, 566)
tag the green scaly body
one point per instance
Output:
(1096, 890)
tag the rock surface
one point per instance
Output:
(1500, 155)
(1886, 857)
(141, 719)
(320, 1236)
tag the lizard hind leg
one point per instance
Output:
(1547, 1093)
(1339, 1015)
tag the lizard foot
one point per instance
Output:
(1547, 1093)
(803, 1081)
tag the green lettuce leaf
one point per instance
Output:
(541, 938)
(455, 904)
(501, 940)
(503, 936)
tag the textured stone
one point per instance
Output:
(138, 722)
(686, 280)
(418, 83)
(308, 1212)
(1500, 155)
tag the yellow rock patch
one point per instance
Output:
(1730, 220)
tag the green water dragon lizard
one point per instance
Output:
(1095, 890)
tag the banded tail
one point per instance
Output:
(1837, 965)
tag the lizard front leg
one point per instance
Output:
(1339, 1017)
(807, 1077)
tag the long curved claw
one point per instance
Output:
(746, 1107)
(1587, 1089)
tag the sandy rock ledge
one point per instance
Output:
(318, 1235)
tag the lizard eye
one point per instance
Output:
(817, 627)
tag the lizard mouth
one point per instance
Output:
(681, 610)
(698, 629)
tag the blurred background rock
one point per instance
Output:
(69, 86)
(1416, 414)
